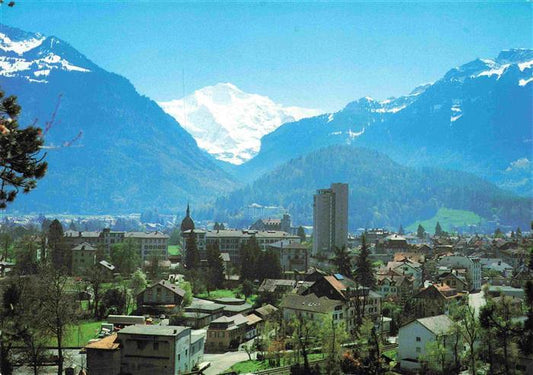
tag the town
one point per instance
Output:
(269, 298)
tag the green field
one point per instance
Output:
(245, 367)
(227, 293)
(448, 219)
(79, 335)
(174, 250)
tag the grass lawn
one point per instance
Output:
(253, 366)
(448, 219)
(227, 293)
(174, 250)
(79, 335)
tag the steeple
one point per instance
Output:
(187, 223)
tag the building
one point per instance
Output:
(330, 218)
(162, 350)
(434, 300)
(312, 307)
(230, 240)
(283, 224)
(103, 356)
(225, 333)
(293, 256)
(406, 267)
(150, 243)
(414, 337)
(471, 264)
(83, 256)
(161, 296)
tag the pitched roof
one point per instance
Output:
(172, 287)
(336, 284)
(266, 310)
(84, 246)
(439, 324)
(309, 303)
(107, 343)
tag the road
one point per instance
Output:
(221, 362)
(477, 301)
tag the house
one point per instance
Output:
(161, 296)
(266, 312)
(414, 337)
(226, 333)
(406, 267)
(150, 243)
(312, 307)
(397, 286)
(471, 264)
(83, 256)
(455, 280)
(103, 356)
(162, 350)
(434, 300)
(293, 255)
(201, 312)
(283, 224)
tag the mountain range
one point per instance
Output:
(113, 150)
(228, 123)
(109, 149)
(381, 191)
(478, 118)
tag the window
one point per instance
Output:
(417, 339)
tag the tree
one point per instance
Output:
(526, 338)
(301, 234)
(126, 256)
(420, 231)
(469, 330)
(154, 268)
(332, 336)
(365, 275)
(113, 302)
(250, 253)
(187, 287)
(192, 255)
(342, 261)
(20, 163)
(59, 254)
(268, 265)
(438, 230)
(247, 288)
(498, 233)
(518, 232)
(175, 237)
(26, 256)
(303, 338)
(96, 276)
(401, 231)
(57, 309)
(138, 282)
(216, 266)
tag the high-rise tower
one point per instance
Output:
(330, 218)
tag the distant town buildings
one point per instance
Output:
(330, 218)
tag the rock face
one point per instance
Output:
(109, 149)
(228, 123)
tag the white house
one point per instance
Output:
(414, 337)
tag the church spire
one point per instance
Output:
(188, 213)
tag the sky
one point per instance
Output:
(317, 55)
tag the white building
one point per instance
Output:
(414, 337)
(162, 350)
(471, 264)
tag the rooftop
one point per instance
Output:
(153, 330)
(439, 324)
(107, 343)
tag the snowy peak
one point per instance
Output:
(514, 62)
(33, 56)
(228, 123)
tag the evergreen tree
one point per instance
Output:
(268, 266)
(216, 226)
(21, 164)
(498, 233)
(420, 232)
(438, 229)
(250, 254)
(216, 266)
(192, 255)
(221, 226)
(365, 271)
(301, 234)
(401, 230)
(518, 232)
(342, 262)
(60, 255)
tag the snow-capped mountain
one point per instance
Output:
(478, 118)
(34, 56)
(108, 148)
(229, 123)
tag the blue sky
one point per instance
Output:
(319, 55)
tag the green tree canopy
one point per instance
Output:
(21, 164)
(364, 275)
